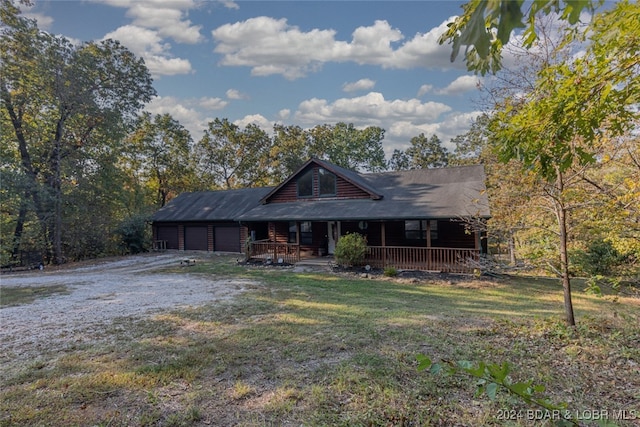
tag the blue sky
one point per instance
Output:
(292, 62)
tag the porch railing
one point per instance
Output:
(287, 252)
(448, 260)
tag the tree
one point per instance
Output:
(161, 148)
(289, 150)
(427, 152)
(512, 193)
(342, 144)
(486, 26)
(423, 153)
(400, 161)
(555, 129)
(229, 157)
(348, 147)
(471, 146)
(56, 97)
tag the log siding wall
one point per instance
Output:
(344, 190)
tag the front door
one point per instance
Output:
(332, 236)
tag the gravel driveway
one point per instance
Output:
(99, 293)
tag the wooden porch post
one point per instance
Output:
(384, 244)
(298, 240)
(428, 244)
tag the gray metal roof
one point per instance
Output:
(223, 205)
(416, 194)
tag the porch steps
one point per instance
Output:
(316, 263)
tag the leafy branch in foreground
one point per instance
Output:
(493, 376)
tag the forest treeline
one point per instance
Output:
(83, 166)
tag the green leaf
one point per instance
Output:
(539, 388)
(423, 362)
(465, 364)
(492, 388)
(436, 368)
(499, 372)
(510, 18)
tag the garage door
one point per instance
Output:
(227, 239)
(168, 234)
(195, 238)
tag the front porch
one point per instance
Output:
(446, 260)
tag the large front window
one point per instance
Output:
(327, 182)
(322, 184)
(305, 185)
(417, 229)
(306, 233)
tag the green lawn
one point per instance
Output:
(322, 349)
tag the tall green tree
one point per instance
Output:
(289, 151)
(161, 149)
(56, 96)
(231, 157)
(348, 147)
(342, 144)
(424, 152)
(470, 147)
(399, 161)
(427, 152)
(555, 129)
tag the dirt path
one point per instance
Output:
(97, 294)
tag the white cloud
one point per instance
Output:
(372, 45)
(230, 4)
(167, 17)
(460, 85)
(284, 114)
(423, 50)
(148, 44)
(236, 94)
(370, 108)
(255, 119)
(362, 84)
(272, 46)
(424, 89)
(212, 103)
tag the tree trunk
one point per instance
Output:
(512, 249)
(56, 186)
(561, 215)
(17, 234)
(27, 165)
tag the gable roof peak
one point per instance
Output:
(348, 175)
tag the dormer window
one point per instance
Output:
(327, 183)
(305, 184)
(320, 184)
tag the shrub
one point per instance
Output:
(390, 272)
(351, 250)
(134, 234)
(600, 258)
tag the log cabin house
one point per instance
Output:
(416, 219)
